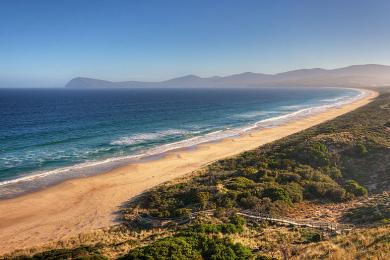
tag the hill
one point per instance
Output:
(352, 76)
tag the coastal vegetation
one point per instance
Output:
(191, 246)
(342, 160)
(327, 163)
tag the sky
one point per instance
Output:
(46, 43)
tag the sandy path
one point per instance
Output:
(81, 205)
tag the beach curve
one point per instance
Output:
(80, 205)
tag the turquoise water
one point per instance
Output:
(48, 135)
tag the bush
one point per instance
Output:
(226, 200)
(203, 199)
(239, 183)
(361, 149)
(171, 247)
(191, 246)
(324, 190)
(250, 171)
(295, 191)
(231, 228)
(335, 193)
(250, 202)
(206, 228)
(237, 220)
(355, 188)
(287, 164)
(185, 212)
(236, 225)
(315, 154)
(310, 235)
(305, 171)
(288, 177)
(277, 194)
(333, 172)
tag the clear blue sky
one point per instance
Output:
(48, 42)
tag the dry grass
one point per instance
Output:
(265, 239)
(330, 212)
(373, 243)
(112, 242)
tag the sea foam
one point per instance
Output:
(144, 137)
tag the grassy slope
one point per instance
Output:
(335, 161)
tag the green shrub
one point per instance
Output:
(315, 154)
(191, 246)
(277, 194)
(355, 188)
(324, 190)
(295, 191)
(239, 183)
(230, 228)
(185, 212)
(333, 172)
(310, 235)
(226, 200)
(336, 194)
(250, 202)
(203, 199)
(162, 213)
(206, 228)
(287, 164)
(235, 225)
(286, 177)
(361, 149)
(237, 220)
(305, 171)
(167, 248)
(250, 171)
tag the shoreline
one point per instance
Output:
(80, 205)
(34, 182)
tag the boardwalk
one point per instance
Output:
(328, 226)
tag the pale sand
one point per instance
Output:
(80, 205)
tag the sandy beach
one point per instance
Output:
(80, 205)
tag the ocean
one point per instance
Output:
(49, 135)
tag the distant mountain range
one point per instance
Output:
(368, 75)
